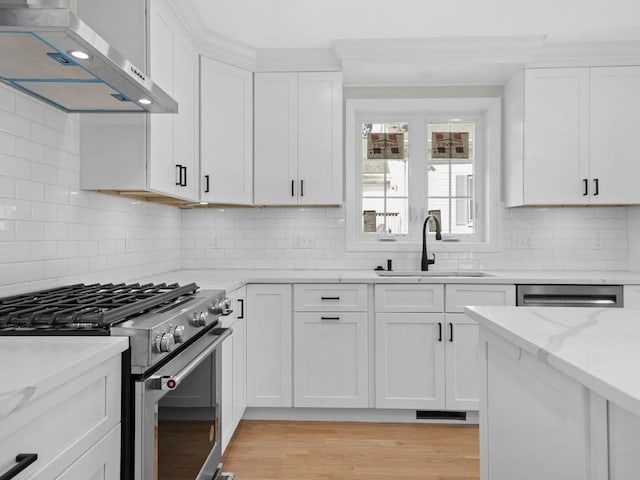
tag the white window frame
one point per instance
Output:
(485, 111)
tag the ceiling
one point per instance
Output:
(316, 23)
(413, 42)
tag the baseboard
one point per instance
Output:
(349, 415)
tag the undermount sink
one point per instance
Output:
(419, 273)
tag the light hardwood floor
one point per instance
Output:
(269, 450)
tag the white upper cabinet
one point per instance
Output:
(613, 140)
(141, 153)
(567, 136)
(298, 138)
(226, 152)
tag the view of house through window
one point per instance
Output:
(450, 172)
(443, 157)
(385, 187)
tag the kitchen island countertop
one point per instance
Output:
(597, 347)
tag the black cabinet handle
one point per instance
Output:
(586, 187)
(302, 188)
(183, 183)
(206, 184)
(293, 185)
(439, 331)
(451, 332)
(23, 460)
(241, 302)
(329, 318)
(179, 175)
(595, 184)
(329, 298)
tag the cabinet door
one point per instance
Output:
(614, 149)
(239, 371)
(276, 139)
(409, 298)
(269, 338)
(185, 122)
(331, 360)
(227, 386)
(461, 361)
(162, 173)
(227, 133)
(624, 444)
(320, 138)
(410, 360)
(100, 462)
(556, 136)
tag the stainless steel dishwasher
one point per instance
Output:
(599, 296)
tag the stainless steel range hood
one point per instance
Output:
(42, 45)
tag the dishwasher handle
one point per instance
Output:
(569, 296)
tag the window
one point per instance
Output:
(407, 159)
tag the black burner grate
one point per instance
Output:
(86, 308)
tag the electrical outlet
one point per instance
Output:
(216, 242)
(521, 241)
(128, 246)
(304, 241)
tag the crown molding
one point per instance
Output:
(297, 60)
(584, 54)
(211, 44)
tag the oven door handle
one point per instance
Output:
(171, 382)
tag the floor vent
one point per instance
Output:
(440, 415)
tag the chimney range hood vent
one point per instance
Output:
(46, 51)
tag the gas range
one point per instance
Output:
(159, 319)
(174, 336)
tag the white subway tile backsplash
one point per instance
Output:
(7, 231)
(7, 143)
(29, 231)
(7, 99)
(7, 187)
(11, 166)
(27, 108)
(7, 274)
(43, 250)
(28, 190)
(44, 212)
(56, 194)
(14, 252)
(29, 150)
(15, 125)
(12, 208)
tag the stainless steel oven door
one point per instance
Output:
(177, 414)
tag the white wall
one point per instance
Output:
(560, 239)
(53, 233)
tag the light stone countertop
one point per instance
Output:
(229, 280)
(597, 347)
(33, 366)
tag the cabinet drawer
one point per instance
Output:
(101, 462)
(409, 298)
(459, 296)
(330, 298)
(63, 424)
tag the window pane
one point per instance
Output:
(450, 171)
(385, 186)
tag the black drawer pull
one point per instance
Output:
(302, 188)
(596, 182)
(329, 298)
(586, 187)
(241, 302)
(439, 331)
(23, 461)
(451, 332)
(293, 184)
(206, 184)
(329, 318)
(184, 178)
(179, 175)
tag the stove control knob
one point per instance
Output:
(164, 342)
(178, 333)
(221, 307)
(200, 319)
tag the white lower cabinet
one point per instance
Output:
(234, 399)
(409, 361)
(66, 427)
(101, 462)
(330, 359)
(269, 345)
(624, 444)
(426, 348)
